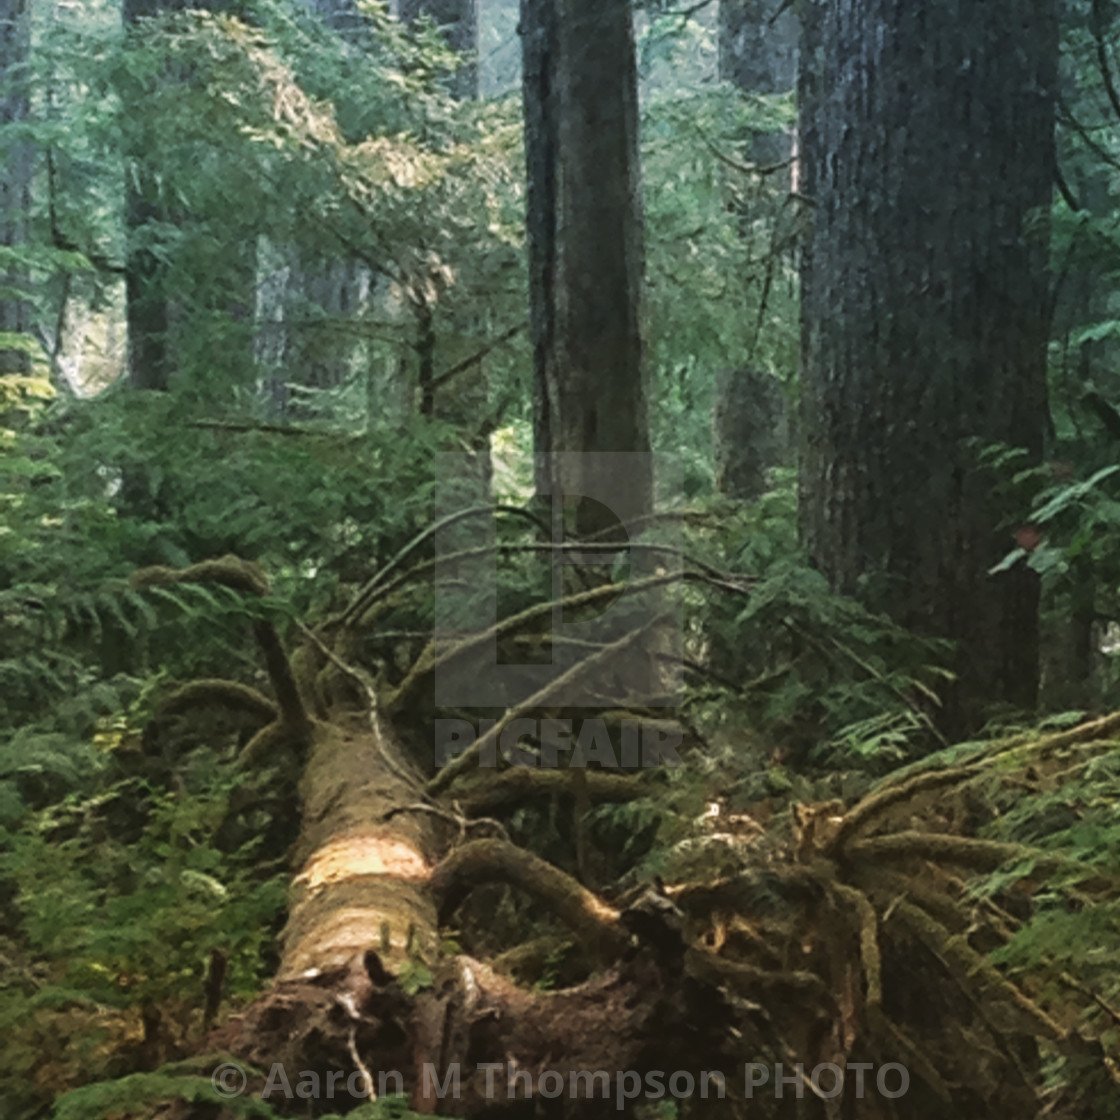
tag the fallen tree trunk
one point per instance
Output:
(362, 984)
(363, 987)
(843, 950)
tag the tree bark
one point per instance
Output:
(539, 99)
(585, 250)
(149, 362)
(927, 146)
(750, 431)
(15, 184)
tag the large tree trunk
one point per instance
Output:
(928, 157)
(585, 246)
(15, 184)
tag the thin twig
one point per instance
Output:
(441, 379)
(367, 686)
(358, 605)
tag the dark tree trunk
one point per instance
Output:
(425, 359)
(758, 43)
(457, 21)
(145, 275)
(146, 301)
(301, 300)
(750, 430)
(151, 358)
(342, 15)
(538, 88)
(465, 404)
(15, 183)
(585, 246)
(927, 141)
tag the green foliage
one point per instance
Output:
(720, 266)
(386, 1108)
(1082, 515)
(274, 143)
(125, 891)
(414, 976)
(133, 1093)
(1070, 537)
(1071, 932)
(118, 895)
(814, 670)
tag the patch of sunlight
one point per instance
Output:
(363, 853)
(511, 456)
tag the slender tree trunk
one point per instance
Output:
(425, 358)
(146, 301)
(758, 54)
(343, 15)
(927, 139)
(15, 183)
(538, 88)
(304, 306)
(465, 402)
(150, 318)
(149, 364)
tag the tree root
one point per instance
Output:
(594, 923)
(970, 965)
(979, 855)
(864, 813)
(870, 957)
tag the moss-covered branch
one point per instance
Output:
(248, 579)
(593, 922)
